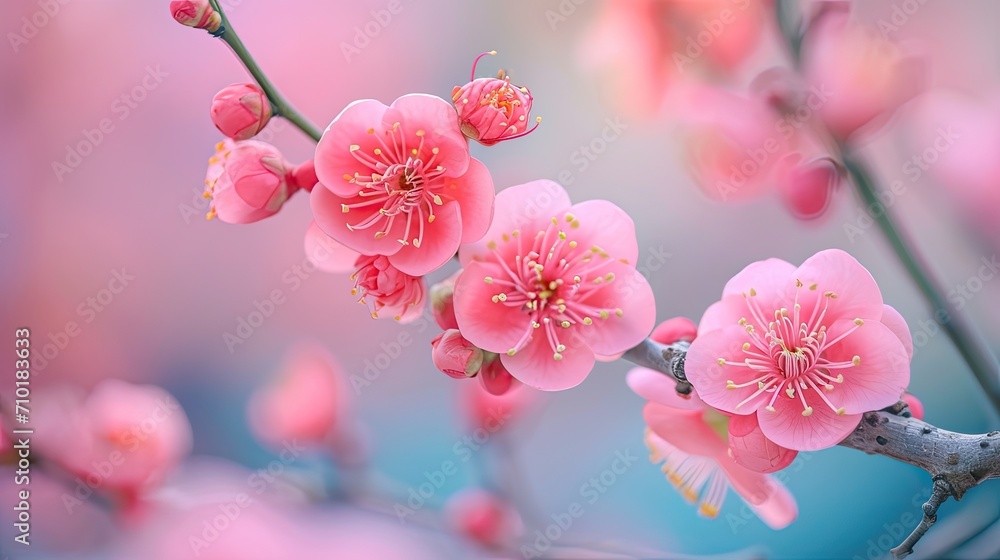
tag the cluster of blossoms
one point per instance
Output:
(786, 361)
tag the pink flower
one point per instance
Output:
(455, 356)
(121, 436)
(306, 401)
(196, 13)
(494, 377)
(806, 350)
(690, 438)
(388, 291)
(398, 181)
(490, 110)
(240, 111)
(806, 186)
(326, 254)
(247, 181)
(916, 407)
(552, 284)
(483, 517)
(867, 75)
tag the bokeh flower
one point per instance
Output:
(552, 284)
(483, 517)
(807, 350)
(398, 181)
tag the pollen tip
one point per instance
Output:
(841, 411)
(511, 352)
(753, 292)
(729, 382)
(354, 147)
(807, 411)
(859, 322)
(856, 360)
(746, 346)
(813, 286)
(722, 362)
(488, 280)
(798, 283)
(557, 356)
(588, 321)
(769, 408)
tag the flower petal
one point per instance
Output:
(491, 326)
(326, 208)
(724, 313)
(474, 193)
(630, 293)
(525, 206)
(439, 123)
(604, 225)
(788, 428)
(684, 429)
(882, 374)
(326, 254)
(710, 378)
(752, 450)
(772, 280)
(334, 158)
(675, 330)
(833, 270)
(440, 242)
(897, 324)
(534, 365)
(768, 498)
(657, 387)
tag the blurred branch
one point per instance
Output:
(956, 462)
(279, 105)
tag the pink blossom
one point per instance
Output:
(494, 377)
(307, 400)
(867, 76)
(388, 291)
(552, 284)
(806, 350)
(913, 403)
(806, 186)
(247, 181)
(491, 110)
(196, 13)
(326, 254)
(398, 181)
(455, 356)
(121, 436)
(482, 409)
(690, 438)
(483, 517)
(240, 111)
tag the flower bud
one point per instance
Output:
(491, 110)
(196, 13)
(456, 356)
(387, 291)
(240, 111)
(494, 377)
(247, 181)
(443, 302)
(913, 403)
(806, 186)
(483, 517)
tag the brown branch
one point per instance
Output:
(956, 462)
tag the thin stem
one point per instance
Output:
(279, 105)
(938, 497)
(967, 341)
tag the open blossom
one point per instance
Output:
(869, 75)
(398, 181)
(695, 444)
(491, 110)
(140, 430)
(240, 111)
(552, 284)
(247, 181)
(807, 350)
(196, 13)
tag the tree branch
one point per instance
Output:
(956, 462)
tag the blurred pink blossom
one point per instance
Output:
(483, 517)
(805, 349)
(552, 284)
(398, 181)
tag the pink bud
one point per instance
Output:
(196, 13)
(456, 356)
(247, 181)
(483, 517)
(491, 110)
(913, 403)
(240, 111)
(442, 302)
(806, 186)
(494, 377)
(751, 449)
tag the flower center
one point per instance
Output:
(396, 183)
(789, 356)
(552, 280)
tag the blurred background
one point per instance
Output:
(82, 206)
